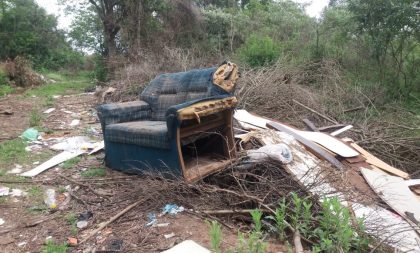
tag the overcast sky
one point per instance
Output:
(314, 9)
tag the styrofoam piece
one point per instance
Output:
(187, 246)
(99, 146)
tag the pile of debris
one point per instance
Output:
(325, 166)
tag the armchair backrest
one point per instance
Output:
(167, 90)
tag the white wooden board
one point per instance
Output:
(395, 192)
(322, 139)
(62, 157)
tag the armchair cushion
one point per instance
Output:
(143, 133)
(123, 112)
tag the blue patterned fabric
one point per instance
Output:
(167, 90)
(143, 133)
(123, 112)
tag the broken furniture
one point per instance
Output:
(182, 125)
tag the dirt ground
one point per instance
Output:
(28, 223)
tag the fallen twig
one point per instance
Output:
(317, 113)
(87, 186)
(297, 242)
(115, 217)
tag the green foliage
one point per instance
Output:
(5, 89)
(43, 44)
(100, 72)
(215, 236)
(259, 51)
(52, 247)
(12, 151)
(94, 172)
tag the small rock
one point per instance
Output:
(82, 224)
(71, 241)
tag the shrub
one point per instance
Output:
(259, 51)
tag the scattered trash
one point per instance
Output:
(56, 96)
(172, 209)
(71, 241)
(49, 110)
(17, 193)
(75, 122)
(85, 215)
(21, 244)
(4, 191)
(115, 245)
(279, 152)
(151, 219)
(16, 170)
(30, 134)
(82, 224)
(168, 236)
(35, 163)
(48, 238)
(159, 225)
(75, 143)
(49, 199)
(33, 147)
(64, 204)
(100, 145)
(187, 246)
(2, 221)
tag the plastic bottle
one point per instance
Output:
(49, 199)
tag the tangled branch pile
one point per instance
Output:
(286, 92)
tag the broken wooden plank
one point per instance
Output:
(62, 157)
(341, 130)
(325, 140)
(309, 144)
(395, 192)
(310, 125)
(373, 160)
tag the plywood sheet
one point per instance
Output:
(322, 139)
(373, 160)
(395, 192)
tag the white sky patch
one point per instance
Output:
(315, 7)
(52, 7)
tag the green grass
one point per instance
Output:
(63, 85)
(72, 220)
(2, 172)
(94, 172)
(35, 118)
(52, 247)
(35, 191)
(12, 151)
(6, 89)
(70, 163)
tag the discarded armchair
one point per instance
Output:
(181, 125)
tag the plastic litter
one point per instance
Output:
(172, 209)
(75, 143)
(279, 152)
(187, 247)
(75, 122)
(168, 236)
(30, 134)
(82, 224)
(85, 215)
(49, 110)
(17, 193)
(49, 199)
(4, 191)
(115, 245)
(151, 219)
(1, 221)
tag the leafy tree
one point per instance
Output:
(27, 30)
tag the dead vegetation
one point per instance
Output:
(21, 73)
(319, 92)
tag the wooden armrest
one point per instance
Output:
(205, 108)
